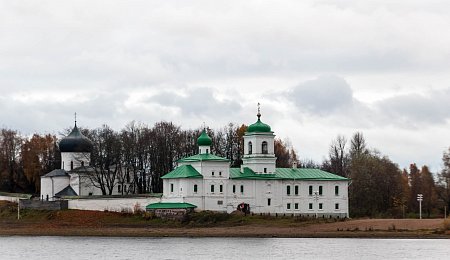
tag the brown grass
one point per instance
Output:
(95, 223)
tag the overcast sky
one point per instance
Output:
(318, 68)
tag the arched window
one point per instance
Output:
(264, 148)
(249, 147)
(82, 163)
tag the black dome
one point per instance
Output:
(75, 142)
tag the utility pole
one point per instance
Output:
(18, 209)
(419, 199)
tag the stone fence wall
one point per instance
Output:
(43, 205)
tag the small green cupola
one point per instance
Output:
(204, 139)
(204, 142)
(259, 126)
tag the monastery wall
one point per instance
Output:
(112, 204)
(9, 198)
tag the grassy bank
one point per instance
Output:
(207, 224)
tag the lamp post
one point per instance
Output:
(419, 199)
(316, 199)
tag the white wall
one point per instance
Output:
(112, 204)
(76, 158)
(9, 198)
(257, 192)
(52, 185)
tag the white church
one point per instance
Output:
(75, 176)
(206, 182)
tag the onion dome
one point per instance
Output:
(75, 142)
(204, 139)
(258, 126)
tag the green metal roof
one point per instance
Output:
(183, 171)
(286, 174)
(204, 139)
(258, 126)
(170, 205)
(203, 157)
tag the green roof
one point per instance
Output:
(203, 157)
(184, 171)
(204, 139)
(258, 127)
(286, 174)
(170, 205)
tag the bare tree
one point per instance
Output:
(105, 159)
(338, 160)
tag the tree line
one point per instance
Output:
(379, 188)
(137, 154)
(141, 154)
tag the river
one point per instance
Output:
(17, 247)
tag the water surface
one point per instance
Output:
(17, 247)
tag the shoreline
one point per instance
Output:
(209, 224)
(245, 231)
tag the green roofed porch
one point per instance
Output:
(170, 210)
(170, 205)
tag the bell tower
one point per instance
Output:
(259, 154)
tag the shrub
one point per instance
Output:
(447, 224)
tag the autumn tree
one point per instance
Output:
(39, 155)
(10, 172)
(443, 187)
(285, 154)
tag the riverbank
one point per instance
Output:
(95, 223)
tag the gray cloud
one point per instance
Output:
(332, 95)
(322, 95)
(197, 102)
(416, 110)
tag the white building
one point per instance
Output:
(207, 182)
(75, 176)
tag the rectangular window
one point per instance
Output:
(288, 206)
(220, 202)
(265, 170)
(336, 190)
(195, 188)
(221, 188)
(288, 190)
(119, 188)
(310, 206)
(234, 188)
(242, 188)
(220, 173)
(296, 190)
(269, 201)
(320, 206)
(296, 206)
(212, 173)
(320, 190)
(212, 188)
(171, 187)
(336, 206)
(310, 190)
